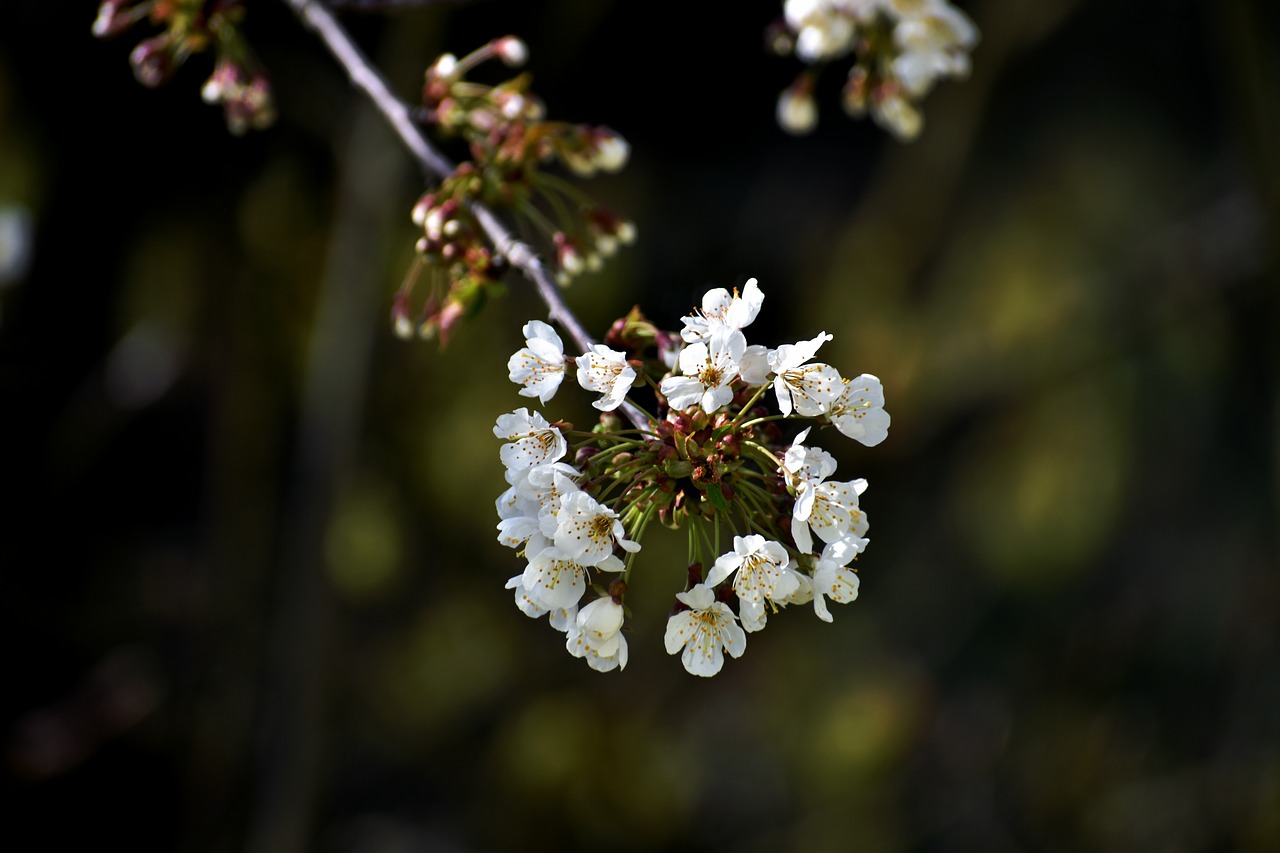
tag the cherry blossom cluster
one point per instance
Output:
(704, 450)
(901, 48)
(194, 26)
(511, 147)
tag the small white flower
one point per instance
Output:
(596, 634)
(753, 367)
(831, 578)
(722, 309)
(561, 618)
(534, 492)
(708, 369)
(553, 580)
(536, 442)
(806, 464)
(761, 568)
(808, 388)
(833, 514)
(823, 30)
(539, 366)
(606, 372)
(705, 632)
(585, 530)
(859, 410)
(806, 467)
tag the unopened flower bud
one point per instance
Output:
(153, 61)
(797, 112)
(607, 245)
(421, 208)
(511, 51)
(854, 95)
(898, 115)
(444, 66)
(603, 616)
(400, 316)
(567, 255)
(112, 19)
(612, 150)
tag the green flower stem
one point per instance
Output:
(747, 406)
(527, 209)
(765, 419)
(762, 450)
(565, 188)
(557, 204)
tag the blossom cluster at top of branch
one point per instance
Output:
(901, 48)
(711, 456)
(194, 26)
(511, 145)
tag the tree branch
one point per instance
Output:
(365, 77)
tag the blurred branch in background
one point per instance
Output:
(290, 740)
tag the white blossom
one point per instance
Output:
(859, 410)
(554, 580)
(808, 388)
(539, 366)
(823, 30)
(753, 367)
(720, 309)
(708, 370)
(596, 634)
(561, 618)
(761, 573)
(934, 39)
(832, 579)
(606, 372)
(806, 467)
(534, 493)
(705, 632)
(535, 442)
(833, 514)
(585, 530)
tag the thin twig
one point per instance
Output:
(364, 76)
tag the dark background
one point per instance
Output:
(251, 595)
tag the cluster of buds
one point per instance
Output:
(710, 456)
(901, 48)
(511, 145)
(464, 270)
(191, 27)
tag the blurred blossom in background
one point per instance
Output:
(253, 598)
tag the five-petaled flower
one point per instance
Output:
(539, 366)
(705, 632)
(605, 371)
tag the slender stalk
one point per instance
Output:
(318, 18)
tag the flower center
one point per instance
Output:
(601, 528)
(710, 376)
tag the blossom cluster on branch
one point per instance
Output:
(712, 457)
(901, 48)
(238, 83)
(511, 144)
